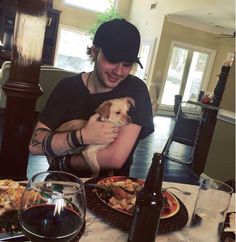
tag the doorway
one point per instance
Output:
(145, 54)
(187, 73)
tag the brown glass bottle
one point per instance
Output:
(148, 205)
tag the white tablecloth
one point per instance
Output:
(97, 230)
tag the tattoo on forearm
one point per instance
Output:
(34, 141)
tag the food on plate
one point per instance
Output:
(167, 204)
(121, 195)
(10, 195)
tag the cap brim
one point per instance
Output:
(115, 57)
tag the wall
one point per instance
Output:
(224, 46)
(83, 19)
(221, 158)
(173, 31)
(150, 21)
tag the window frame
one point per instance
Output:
(68, 28)
(87, 8)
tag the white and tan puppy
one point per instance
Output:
(115, 111)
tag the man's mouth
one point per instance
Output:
(113, 79)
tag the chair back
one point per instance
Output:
(49, 77)
(177, 105)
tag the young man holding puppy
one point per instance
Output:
(114, 51)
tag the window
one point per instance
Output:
(188, 70)
(71, 50)
(93, 5)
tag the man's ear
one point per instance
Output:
(104, 110)
(94, 52)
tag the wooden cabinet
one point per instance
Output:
(7, 21)
(53, 17)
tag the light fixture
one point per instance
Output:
(1, 44)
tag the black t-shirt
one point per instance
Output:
(72, 100)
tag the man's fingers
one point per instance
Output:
(95, 116)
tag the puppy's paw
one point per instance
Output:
(91, 159)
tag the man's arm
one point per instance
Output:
(45, 141)
(56, 144)
(115, 154)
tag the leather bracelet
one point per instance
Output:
(81, 137)
(74, 139)
(47, 145)
(69, 140)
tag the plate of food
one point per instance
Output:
(10, 195)
(119, 193)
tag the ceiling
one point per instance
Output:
(218, 18)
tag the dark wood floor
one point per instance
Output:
(173, 171)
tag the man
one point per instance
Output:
(114, 51)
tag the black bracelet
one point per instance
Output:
(47, 145)
(81, 137)
(69, 140)
(61, 163)
(74, 139)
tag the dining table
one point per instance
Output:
(99, 230)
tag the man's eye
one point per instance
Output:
(117, 113)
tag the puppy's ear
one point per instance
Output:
(130, 101)
(104, 109)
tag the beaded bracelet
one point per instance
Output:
(61, 163)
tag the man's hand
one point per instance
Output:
(97, 132)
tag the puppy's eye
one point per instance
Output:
(118, 113)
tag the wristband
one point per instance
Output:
(74, 139)
(61, 163)
(81, 137)
(47, 145)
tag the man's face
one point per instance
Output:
(111, 74)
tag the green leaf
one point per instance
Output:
(109, 14)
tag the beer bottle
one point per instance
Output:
(148, 206)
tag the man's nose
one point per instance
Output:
(118, 69)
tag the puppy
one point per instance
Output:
(114, 110)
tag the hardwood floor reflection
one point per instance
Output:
(173, 171)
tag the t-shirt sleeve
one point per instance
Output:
(142, 113)
(55, 111)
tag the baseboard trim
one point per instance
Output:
(204, 176)
(226, 116)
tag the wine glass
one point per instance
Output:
(53, 207)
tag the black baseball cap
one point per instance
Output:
(119, 41)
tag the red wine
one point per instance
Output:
(40, 225)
